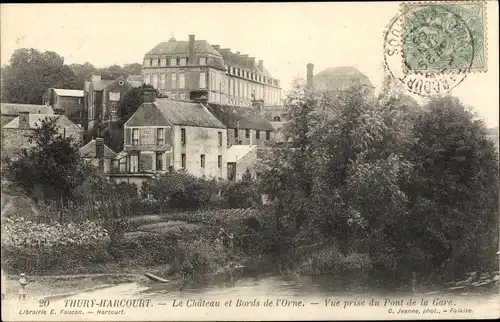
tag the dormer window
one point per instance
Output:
(173, 62)
(182, 61)
(203, 60)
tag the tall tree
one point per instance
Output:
(31, 72)
(53, 164)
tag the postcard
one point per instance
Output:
(250, 161)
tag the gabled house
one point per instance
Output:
(101, 99)
(165, 135)
(15, 133)
(98, 154)
(67, 102)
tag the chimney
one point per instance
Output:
(24, 120)
(245, 60)
(225, 52)
(261, 65)
(191, 50)
(310, 74)
(96, 78)
(148, 95)
(252, 62)
(99, 148)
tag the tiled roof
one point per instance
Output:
(249, 118)
(236, 152)
(186, 113)
(181, 47)
(340, 77)
(15, 109)
(68, 92)
(35, 119)
(135, 80)
(88, 151)
(102, 84)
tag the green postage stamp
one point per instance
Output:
(444, 37)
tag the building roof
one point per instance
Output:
(15, 109)
(88, 151)
(35, 119)
(340, 77)
(69, 92)
(187, 113)
(236, 152)
(135, 80)
(248, 117)
(102, 84)
(173, 46)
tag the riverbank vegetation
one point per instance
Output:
(381, 187)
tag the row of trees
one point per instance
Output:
(415, 187)
(30, 72)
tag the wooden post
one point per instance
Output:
(413, 281)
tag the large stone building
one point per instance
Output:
(176, 68)
(164, 135)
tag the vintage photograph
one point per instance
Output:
(250, 161)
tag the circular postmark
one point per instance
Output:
(428, 48)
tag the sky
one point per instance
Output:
(286, 36)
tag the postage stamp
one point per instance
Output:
(444, 37)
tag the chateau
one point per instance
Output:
(176, 68)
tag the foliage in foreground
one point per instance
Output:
(414, 187)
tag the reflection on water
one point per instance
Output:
(242, 284)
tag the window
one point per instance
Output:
(203, 80)
(147, 62)
(155, 81)
(268, 135)
(236, 133)
(183, 161)
(134, 163)
(182, 80)
(219, 161)
(182, 96)
(173, 61)
(247, 133)
(183, 136)
(220, 138)
(202, 160)
(114, 96)
(257, 134)
(183, 62)
(135, 136)
(276, 119)
(160, 136)
(159, 161)
(163, 81)
(147, 79)
(174, 81)
(163, 62)
(203, 60)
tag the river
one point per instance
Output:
(238, 295)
